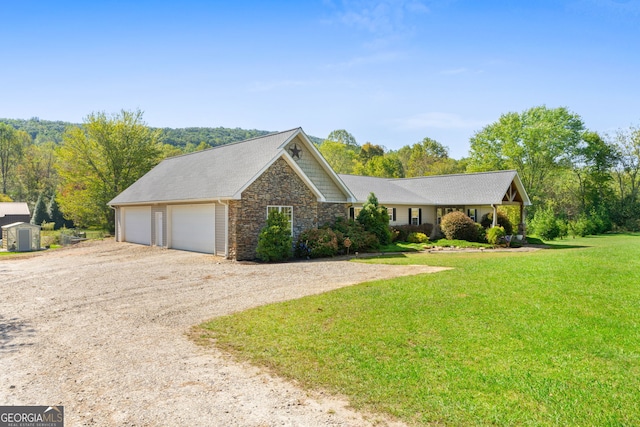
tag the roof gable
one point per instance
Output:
(217, 173)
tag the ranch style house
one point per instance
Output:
(216, 201)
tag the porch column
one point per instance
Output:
(521, 227)
(495, 215)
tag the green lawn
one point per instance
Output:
(539, 338)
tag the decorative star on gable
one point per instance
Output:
(295, 151)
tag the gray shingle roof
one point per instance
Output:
(218, 172)
(14, 208)
(483, 188)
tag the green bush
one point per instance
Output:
(458, 226)
(375, 219)
(503, 221)
(361, 239)
(417, 238)
(274, 241)
(316, 243)
(482, 233)
(495, 235)
(401, 233)
(544, 224)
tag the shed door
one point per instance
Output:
(193, 228)
(137, 225)
(24, 239)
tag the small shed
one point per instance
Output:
(21, 237)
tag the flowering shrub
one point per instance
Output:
(417, 238)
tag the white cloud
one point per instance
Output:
(437, 120)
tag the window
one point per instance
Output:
(415, 216)
(440, 212)
(287, 210)
(473, 214)
(392, 214)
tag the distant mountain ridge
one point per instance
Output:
(47, 130)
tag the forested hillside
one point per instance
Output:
(45, 130)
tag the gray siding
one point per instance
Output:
(316, 173)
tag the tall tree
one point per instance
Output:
(339, 156)
(101, 159)
(627, 175)
(343, 137)
(12, 143)
(535, 143)
(36, 172)
(421, 157)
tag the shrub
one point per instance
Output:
(375, 219)
(274, 241)
(458, 226)
(482, 233)
(417, 238)
(361, 239)
(316, 243)
(401, 233)
(495, 235)
(544, 224)
(503, 221)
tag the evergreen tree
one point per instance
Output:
(55, 215)
(375, 219)
(40, 214)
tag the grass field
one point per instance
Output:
(550, 337)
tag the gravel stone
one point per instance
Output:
(101, 328)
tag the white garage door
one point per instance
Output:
(193, 228)
(137, 225)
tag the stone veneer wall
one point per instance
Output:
(329, 212)
(279, 185)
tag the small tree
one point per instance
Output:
(55, 215)
(40, 214)
(375, 219)
(544, 224)
(274, 242)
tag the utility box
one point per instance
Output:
(21, 237)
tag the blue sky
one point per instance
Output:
(391, 72)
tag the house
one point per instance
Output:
(216, 201)
(11, 212)
(427, 199)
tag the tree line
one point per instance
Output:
(579, 181)
(576, 178)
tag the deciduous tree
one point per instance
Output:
(534, 142)
(99, 160)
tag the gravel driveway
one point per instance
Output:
(100, 328)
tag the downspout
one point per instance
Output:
(226, 227)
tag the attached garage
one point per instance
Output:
(193, 228)
(137, 224)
